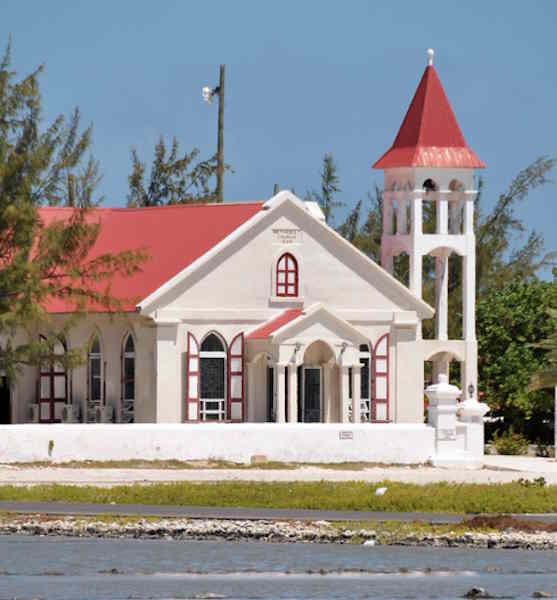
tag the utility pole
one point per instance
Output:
(208, 94)
(220, 147)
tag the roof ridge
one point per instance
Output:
(160, 207)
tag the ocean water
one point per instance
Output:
(95, 569)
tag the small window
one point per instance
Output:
(96, 391)
(287, 276)
(128, 380)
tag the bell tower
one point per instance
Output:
(430, 162)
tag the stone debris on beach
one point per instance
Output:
(267, 530)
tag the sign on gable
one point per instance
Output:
(287, 237)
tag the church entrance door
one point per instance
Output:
(312, 395)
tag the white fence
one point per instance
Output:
(315, 443)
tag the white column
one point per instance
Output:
(469, 296)
(327, 396)
(469, 212)
(280, 406)
(441, 296)
(416, 212)
(292, 394)
(442, 214)
(416, 273)
(356, 376)
(169, 392)
(343, 393)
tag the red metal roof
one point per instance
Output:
(268, 328)
(173, 236)
(429, 135)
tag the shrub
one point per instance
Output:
(510, 442)
(544, 450)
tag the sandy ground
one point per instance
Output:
(498, 469)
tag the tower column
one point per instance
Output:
(469, 296)
(441, 296)
(416, 212)
(469, 213)
(442, 214)
(416, 273)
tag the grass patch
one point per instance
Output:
(403, 497)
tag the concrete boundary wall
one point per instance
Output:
(384, 443)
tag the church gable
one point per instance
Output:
(285, 255)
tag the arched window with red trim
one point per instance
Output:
(287, 276)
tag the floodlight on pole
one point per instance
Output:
(208, 94)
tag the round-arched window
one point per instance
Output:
(213, 358)
(287, 276)
(128, 380)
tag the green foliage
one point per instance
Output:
(510, 324)
(329, 188)
(546, 377)
(495, 232)
(39, 261)
(509, 442)
(173, 179)
(323, 495)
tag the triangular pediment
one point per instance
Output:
(318, 323)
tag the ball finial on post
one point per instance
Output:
(430, 54)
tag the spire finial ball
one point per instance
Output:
(430, 54)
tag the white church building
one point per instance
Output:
(259, 330)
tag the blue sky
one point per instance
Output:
(303, 78)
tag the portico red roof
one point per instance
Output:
(429, 135)
(268, 328)
(173, 236)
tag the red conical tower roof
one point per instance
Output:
(429, 135)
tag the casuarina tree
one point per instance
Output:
(43, 261)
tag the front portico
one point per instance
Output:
(314, 359)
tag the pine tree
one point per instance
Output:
(329, 188)
(42, 261)
(172, 179)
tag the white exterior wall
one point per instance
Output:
(111, 331)
(405, 444)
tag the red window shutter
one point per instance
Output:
(192, 379)
(236, 392)
(380, 399)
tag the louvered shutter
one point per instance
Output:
(192, 379)
(236, 379)
(380, 401)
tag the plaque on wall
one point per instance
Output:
(287, 236)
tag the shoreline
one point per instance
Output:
(282, 531)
